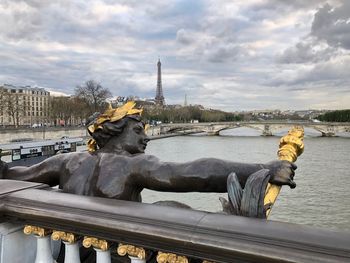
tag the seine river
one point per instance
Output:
(322, 195)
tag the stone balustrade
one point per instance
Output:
(139, 231)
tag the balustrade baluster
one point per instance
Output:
(101, 246)
(71, 246)
(103, 256)
(43, 249)
(136, 260)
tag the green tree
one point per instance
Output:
(336, 116)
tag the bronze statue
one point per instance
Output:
(118, 168)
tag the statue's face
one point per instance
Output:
(134, 137)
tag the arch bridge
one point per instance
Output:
(267, 128)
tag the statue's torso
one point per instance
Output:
(102, 174)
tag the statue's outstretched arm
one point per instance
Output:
(48, 171)
(202, 175)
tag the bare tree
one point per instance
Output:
(63, 108)
(93, 95)
(13, 106)
(2, 104)
(80, 110)
(71, 110)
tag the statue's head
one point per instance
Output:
(123, 123)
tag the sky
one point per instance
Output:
(230, 55)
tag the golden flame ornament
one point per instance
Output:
(291, 146)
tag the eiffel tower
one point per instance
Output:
(159, 99)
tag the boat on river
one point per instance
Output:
(27, 153)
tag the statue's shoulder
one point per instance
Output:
(145, 160)
(75, 156)
(130, 159)
(112, 157)
(145, 157)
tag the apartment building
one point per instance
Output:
(23, 105)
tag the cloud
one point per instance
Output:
(223, 53)
(331, 74)
(334, 71)
(332, 24)
(307, 51)
(316, 66)
(184, 37)
(295, 4)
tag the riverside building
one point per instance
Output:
(23, 105)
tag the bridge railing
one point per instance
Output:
(188, 234)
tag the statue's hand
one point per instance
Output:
(282, 173)
(3, 168)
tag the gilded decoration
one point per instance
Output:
(96, 243)
(170, 258)
(35, 230)
(131, 250)
(290, 147)
(64, 236)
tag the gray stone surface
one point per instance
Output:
(15, 246)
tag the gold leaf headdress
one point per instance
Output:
(111, 115)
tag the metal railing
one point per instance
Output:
(187, 233)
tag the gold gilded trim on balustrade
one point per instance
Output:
(96, 243)
(35, 230)
(206, 261)
(64, 236)
(170, 258)
(131, 250)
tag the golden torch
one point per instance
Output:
(291, 146)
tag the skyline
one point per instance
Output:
(246, 55)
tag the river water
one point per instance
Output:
(322, 195)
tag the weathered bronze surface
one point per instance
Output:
(119, 168)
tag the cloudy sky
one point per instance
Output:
(232, 55)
